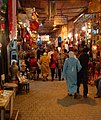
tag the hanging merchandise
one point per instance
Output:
(10, 14)
(34, 25)
(27, 36)
(3, 5)
(14, 22)
(12, 18)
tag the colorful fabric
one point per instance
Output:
(33, 62)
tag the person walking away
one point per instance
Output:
(55, 55)
(50, 52)
(60, 62)
(44, 62)
(83, 73)
(38, 53)
(52, 66)
(33, 67)
(70, 69)
(65, 54)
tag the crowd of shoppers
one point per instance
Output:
(63, 64)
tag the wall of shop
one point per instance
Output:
(65, 30)
(70, 30)
(63, 33)
(70, 27)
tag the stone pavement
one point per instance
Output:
(49, 101)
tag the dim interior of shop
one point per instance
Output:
(30, 30)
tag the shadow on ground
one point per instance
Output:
(69, 100)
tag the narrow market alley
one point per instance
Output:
(50, 101)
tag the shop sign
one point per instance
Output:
(44, 38)
(60, 20)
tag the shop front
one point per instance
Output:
(4, 39)
(88, 30)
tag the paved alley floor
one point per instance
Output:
(49, 101)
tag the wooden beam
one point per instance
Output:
(78, 7)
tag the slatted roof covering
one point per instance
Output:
(48, 9)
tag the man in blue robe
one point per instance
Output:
(70, 69)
